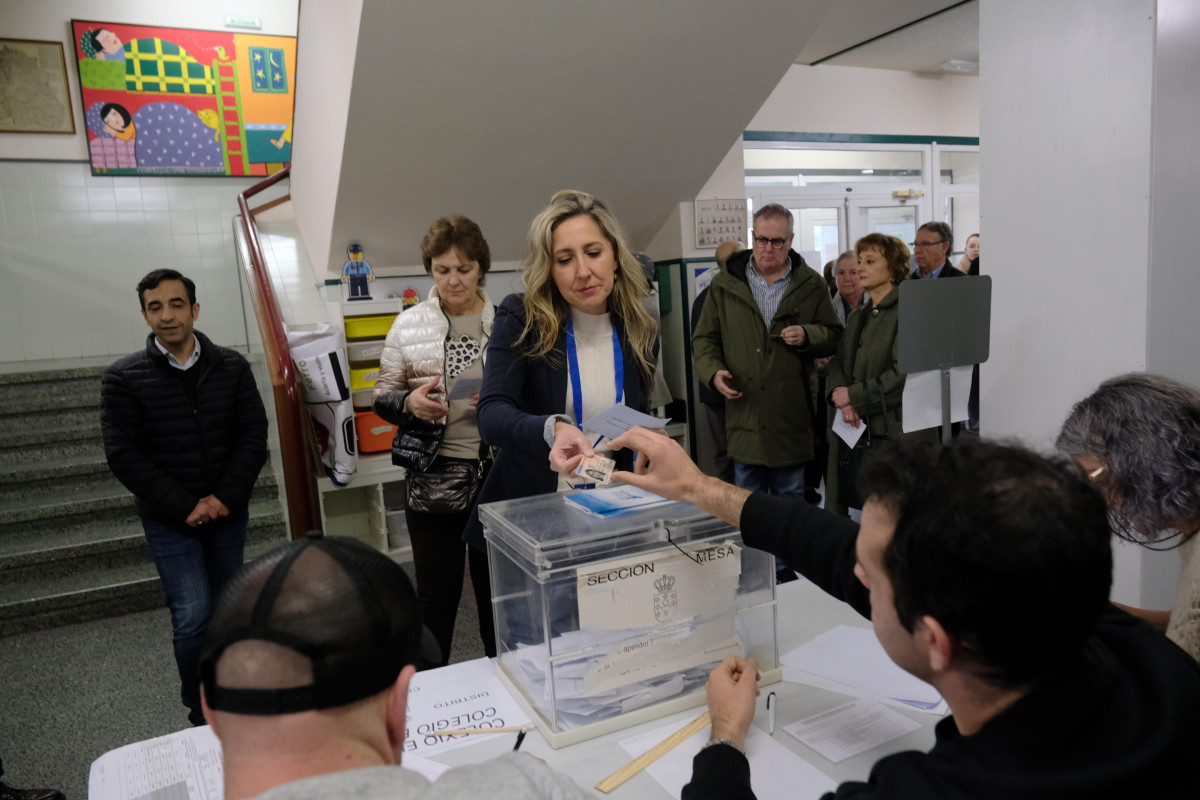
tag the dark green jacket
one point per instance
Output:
(865, 363)
(770, 424)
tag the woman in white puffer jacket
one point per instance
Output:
(429, 348)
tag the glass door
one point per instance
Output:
(818, 232)
(885, 216)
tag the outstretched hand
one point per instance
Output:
(665, 469)
(662, 466)
(570, 448)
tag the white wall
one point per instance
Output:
(1067, 126)
(328, 44)
(1175, 175)
(73, 246)
(1172, 341)
(829, 99)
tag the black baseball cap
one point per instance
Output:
(318, 623)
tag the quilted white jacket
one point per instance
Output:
(415, 351)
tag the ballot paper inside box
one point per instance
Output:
(607, 622)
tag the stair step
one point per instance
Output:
(74, 566)
(99, 593)
(33, 452)
(93, 499)
(71, 544)
(35, 430)
(51, 540)
(53, 375)
(33, 470)
(39, 396)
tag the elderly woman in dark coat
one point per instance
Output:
(865, 384)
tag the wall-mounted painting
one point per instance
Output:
(175, 101)
(33, 88)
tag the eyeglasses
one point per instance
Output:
(926, 244)
(762, 241)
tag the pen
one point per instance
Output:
(520, 738)
(598, 440)
(771, 713)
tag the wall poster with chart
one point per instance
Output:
(175, 101)
(34, 97)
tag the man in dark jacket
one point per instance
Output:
(185, 431)
(766, 317)
(713, 402)
(932, 248)
(985, 571)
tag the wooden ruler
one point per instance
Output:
(653, 754)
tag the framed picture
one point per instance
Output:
(177, 101)
(719, 221)
(34, 97)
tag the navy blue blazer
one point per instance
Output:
(518, 394)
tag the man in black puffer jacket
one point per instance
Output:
(185, 431)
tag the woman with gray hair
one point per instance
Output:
(1138, 438)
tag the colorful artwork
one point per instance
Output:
(174, 101)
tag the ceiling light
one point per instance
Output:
(958, 65)
(868, 172)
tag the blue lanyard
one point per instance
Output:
(573, 368)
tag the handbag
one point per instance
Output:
(448, 486)
(416, 443)
(850, 462)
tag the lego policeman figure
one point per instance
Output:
(357, 272)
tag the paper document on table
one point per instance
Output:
(614, 500)
(922, 404)
(793, 675)
(186, 765)
(775, 771)
(612, 423)
(854, 656)
(851, 728)
(849, 434)
(661, 587)
(464, 695)
(464, 388)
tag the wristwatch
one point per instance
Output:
(713, 742)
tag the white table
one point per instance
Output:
(804, 613)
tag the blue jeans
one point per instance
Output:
(779, 481)
(194, 564)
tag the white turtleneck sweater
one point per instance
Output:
(597, 374)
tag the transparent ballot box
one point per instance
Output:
(607, 622)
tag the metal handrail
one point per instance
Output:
(299, 469)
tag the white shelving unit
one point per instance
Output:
(360, 508)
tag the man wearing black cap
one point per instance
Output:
(305, 675)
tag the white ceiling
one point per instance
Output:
(486, 109)
(951, 34)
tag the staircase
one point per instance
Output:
(71, 545)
